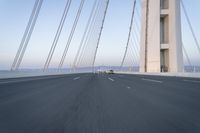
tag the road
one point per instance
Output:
(100, 103)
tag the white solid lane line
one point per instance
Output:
(152, 80)
(25, 80)
(76, 78)
(111, 79)
(193, 81)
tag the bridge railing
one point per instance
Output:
(192, 69)
(187, 69)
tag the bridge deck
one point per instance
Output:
(91, 103)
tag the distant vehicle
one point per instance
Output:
(111, 72)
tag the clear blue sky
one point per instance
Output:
(14, 15)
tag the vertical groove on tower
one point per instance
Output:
(146, 35)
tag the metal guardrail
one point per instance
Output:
(192, 69)
(187, 69)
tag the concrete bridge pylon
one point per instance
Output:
(161, 39)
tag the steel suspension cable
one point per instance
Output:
(133, 53)
(129, 34)
(136, 41)
(100, 33)
(13, 67)
(85, 32)
(71, 34)
(190, 25)
(139, 17)
(136, 31)
(187, 57)
(90, 31)
(58, 33)
(135, 49)
(93, 31)
(29, 34)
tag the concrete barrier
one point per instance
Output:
(189, 75)
(30, 73)
(33, 73)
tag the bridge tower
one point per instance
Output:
(161, 40)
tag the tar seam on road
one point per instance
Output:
(193, 81)
(76, 78)
(152, 80)
(111, 79)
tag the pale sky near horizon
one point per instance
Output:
(14, 15)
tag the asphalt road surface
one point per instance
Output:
(100, 103)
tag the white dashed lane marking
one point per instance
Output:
(111, 79)
(152, 80)
(76, 78)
